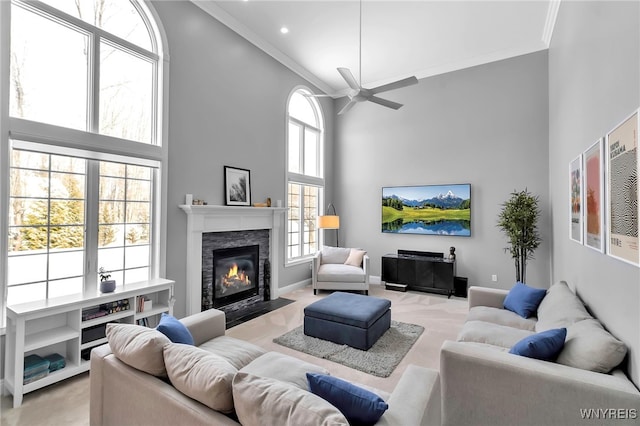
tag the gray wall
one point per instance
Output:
(594, 83)
(227, 106)
(486, 126)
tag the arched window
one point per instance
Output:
(83, 130)
(305, 178)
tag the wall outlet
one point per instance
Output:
(494, 278)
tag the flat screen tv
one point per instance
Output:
(427, 209)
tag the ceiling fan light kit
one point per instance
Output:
(361, 94)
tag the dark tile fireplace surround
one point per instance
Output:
(225, 240)
(250, 307)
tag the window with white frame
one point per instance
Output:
(86, 154)
(305, 180)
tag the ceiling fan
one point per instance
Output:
(359, 93)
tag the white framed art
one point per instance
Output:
(593, 196)
(575, 199)
(621, 187)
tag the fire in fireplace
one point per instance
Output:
(235, 274)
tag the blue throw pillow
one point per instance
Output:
(358, 405)
(546, 345)
(524, 300)
(176, 331)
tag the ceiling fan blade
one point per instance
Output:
(322, 95)
(395, 85)
(384, 102)
(347, 107)
(348, 77)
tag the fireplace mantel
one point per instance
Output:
(201, 219)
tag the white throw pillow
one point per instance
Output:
(560, 307)
(236, 351)
(335, 254)
(200, 375)
(139, 347)
(355, 257)
(282, 367)
(265, 401)
(590, 347)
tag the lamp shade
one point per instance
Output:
(329, 222)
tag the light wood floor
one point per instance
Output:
(67, 403)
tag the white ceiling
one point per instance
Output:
(399, 38)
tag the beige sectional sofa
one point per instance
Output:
(483, 384)
(144, 379)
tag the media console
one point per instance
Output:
(419, 270)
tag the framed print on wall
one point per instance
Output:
(622, 191)
(575, 199)
(593, 196)
(237, 186)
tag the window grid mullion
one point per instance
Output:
(94, 82)
(301, 147)
(92, 220)
(48, 249)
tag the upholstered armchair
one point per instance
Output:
(340, 268)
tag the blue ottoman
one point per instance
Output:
(349, 319)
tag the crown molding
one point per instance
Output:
(550, 23)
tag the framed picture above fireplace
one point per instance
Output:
(237, 186)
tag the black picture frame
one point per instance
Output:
(237, 186)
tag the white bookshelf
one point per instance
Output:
(56, 326)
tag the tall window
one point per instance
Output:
(305, 180)
(83, 133)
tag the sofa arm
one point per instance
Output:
(485, 296)
(366, 267)
(482, 385)
(206, 325)
(415, 400)
(315, 267)
(96, 396)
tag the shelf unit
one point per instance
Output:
(56, 326)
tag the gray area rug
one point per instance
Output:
(380, 360)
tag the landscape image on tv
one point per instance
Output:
(427, 210)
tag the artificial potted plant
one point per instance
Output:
(519, 221)
(106, 285)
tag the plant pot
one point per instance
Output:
(107, 286)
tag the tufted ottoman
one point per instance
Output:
(350, 319)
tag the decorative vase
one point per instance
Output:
(107, 286)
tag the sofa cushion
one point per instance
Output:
(139, 347)
(340, 273)
(237, 352)
(335, 254)
(590, 347)
(264, 401)
(560, 308)
(200, 375)
(501, 317)
(545, 345)
(524, 300)
(282, 367)
(355, 257)
(359, 406)
(492, 334)
(176, 331)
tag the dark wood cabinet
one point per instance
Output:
(421, 271)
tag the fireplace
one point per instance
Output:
(235, 274)
(214, 227)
